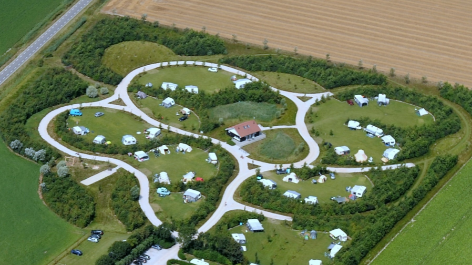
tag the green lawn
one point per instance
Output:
(190, 75)
(151, 107)
(31, 233)
(288, 82)
(17, 18)
(333, 114)
(279, 146)
(172, 207)
(92, 251)
(324, 191)
(246, 110)
(113, 125)
(286, 246)
(441, 233)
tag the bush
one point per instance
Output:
(182, 255)
(44, 169)
(104, 90)
(92, 92)
(63, 171)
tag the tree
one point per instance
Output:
(295, 50)
(235, 38)
(104, 90)
(63, 171)
(264, 43)
(374, 68)
(91, 92)
(16, 145)
(30, 152)
(360, 64)
(40, 155)
(328, 57)
(61, 163)
(187, 232)
(144, 17)
(331, 132)
(119, 249)
(135, 193)
(407, 78)
(424, 79)
(104, 260)
(392, 72)
(44, 169)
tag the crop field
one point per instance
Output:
(324, 191)
(415, 38)
(325, 120)
(440, 232)
(17, 18)
(31, 233)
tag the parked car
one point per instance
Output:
(281, 171)
(75, 112)
(99, 114)
(93, 239)
(97, 236)
(98, 232)
(183, 118)
(142, 259)
(147, 256)
(157, 247)
(213, 69)
(331, 175)
(137, 262)
(76, 252)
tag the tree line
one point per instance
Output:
(201, 102)
(414, 141)
(322, 72)
(86, 54)
(54, 86)
(458, 94)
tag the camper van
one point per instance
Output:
(75, 112)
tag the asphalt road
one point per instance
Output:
(39, 43)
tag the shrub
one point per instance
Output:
(181, 255)
(92, 92)
(104, 90)
(44, 169)
(63, 171)
(61, 163)
(16, 145)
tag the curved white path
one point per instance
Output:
(227, 203)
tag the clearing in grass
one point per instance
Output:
(288, 82)
(246, 110)
(324, 191)
(23, 214)
(329, 119)
(279, 146)
(191, 75)
(441, 233)
(172, 207)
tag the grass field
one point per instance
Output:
(113, 125)
(279, 146)
(19, 17)
(285, 246)
(324, 191)
(326, 119)
(191, 75)
(288, 82)
(168, 116)
(172, 207)
(31, 233)
(242, 111)
(441, 233)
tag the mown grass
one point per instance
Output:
(189, 75)
(31, 233)
(283, 245)
(241, 111)
(332, 115)
(288, 82)
(324, 191)
(279, 146)
(441, 233)
(172, 207)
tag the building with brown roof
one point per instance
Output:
(243, 131)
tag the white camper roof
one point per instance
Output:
(335, 250)
(422, 112)
(168, 101)
(353, 124)
(128, 138)
(315, 262)
(140, 154)
(382, 98)
(192, 89)
(212, 156)
(391, 153)
(311, 199)
(189, 176)
(240, 83)
(388, 139)
(192, 193)
(255, 224)
(338, 233)
(164, 178)
(361, 98)
(374, 130)
(185, 147)
(358, 189)
(186, 110)
(238, 237)
(169, 85)
(99, 138)
(153, 130)
(292, 194)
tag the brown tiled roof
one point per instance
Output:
(246, 128)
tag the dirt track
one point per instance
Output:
(424, 38)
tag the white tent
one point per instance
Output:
(383, 100)
(240, 238)
(373, 130)
(164, 149)
(168, 85)
(128, 140)
(188, 177)
(311, 200)
(338, 234)
(315, 262)
(212, 158)
(268, 183)
(388, 140)
(153, 132)
(361, 100)
(292, 194)
(192, 89)
(354, 125)
(358, 190)
(322, 179)
(185, 148)
(391, 153)
(292, 177)
(421, 112)
(360, 156)
(241, 83)
(141, 156)
(80, 130)
(168, 102)
(100, 139)
(185, 111)
(342, 150)
(164, 178)
(335, 250)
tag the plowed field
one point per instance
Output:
(424, 38)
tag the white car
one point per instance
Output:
(213, 69)
(92, 239)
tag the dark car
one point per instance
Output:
(97, 232)
(99, 114)
(97, 236)
(76, 252)
(281, 171)
(183, 118)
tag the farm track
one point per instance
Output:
(421, 38)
